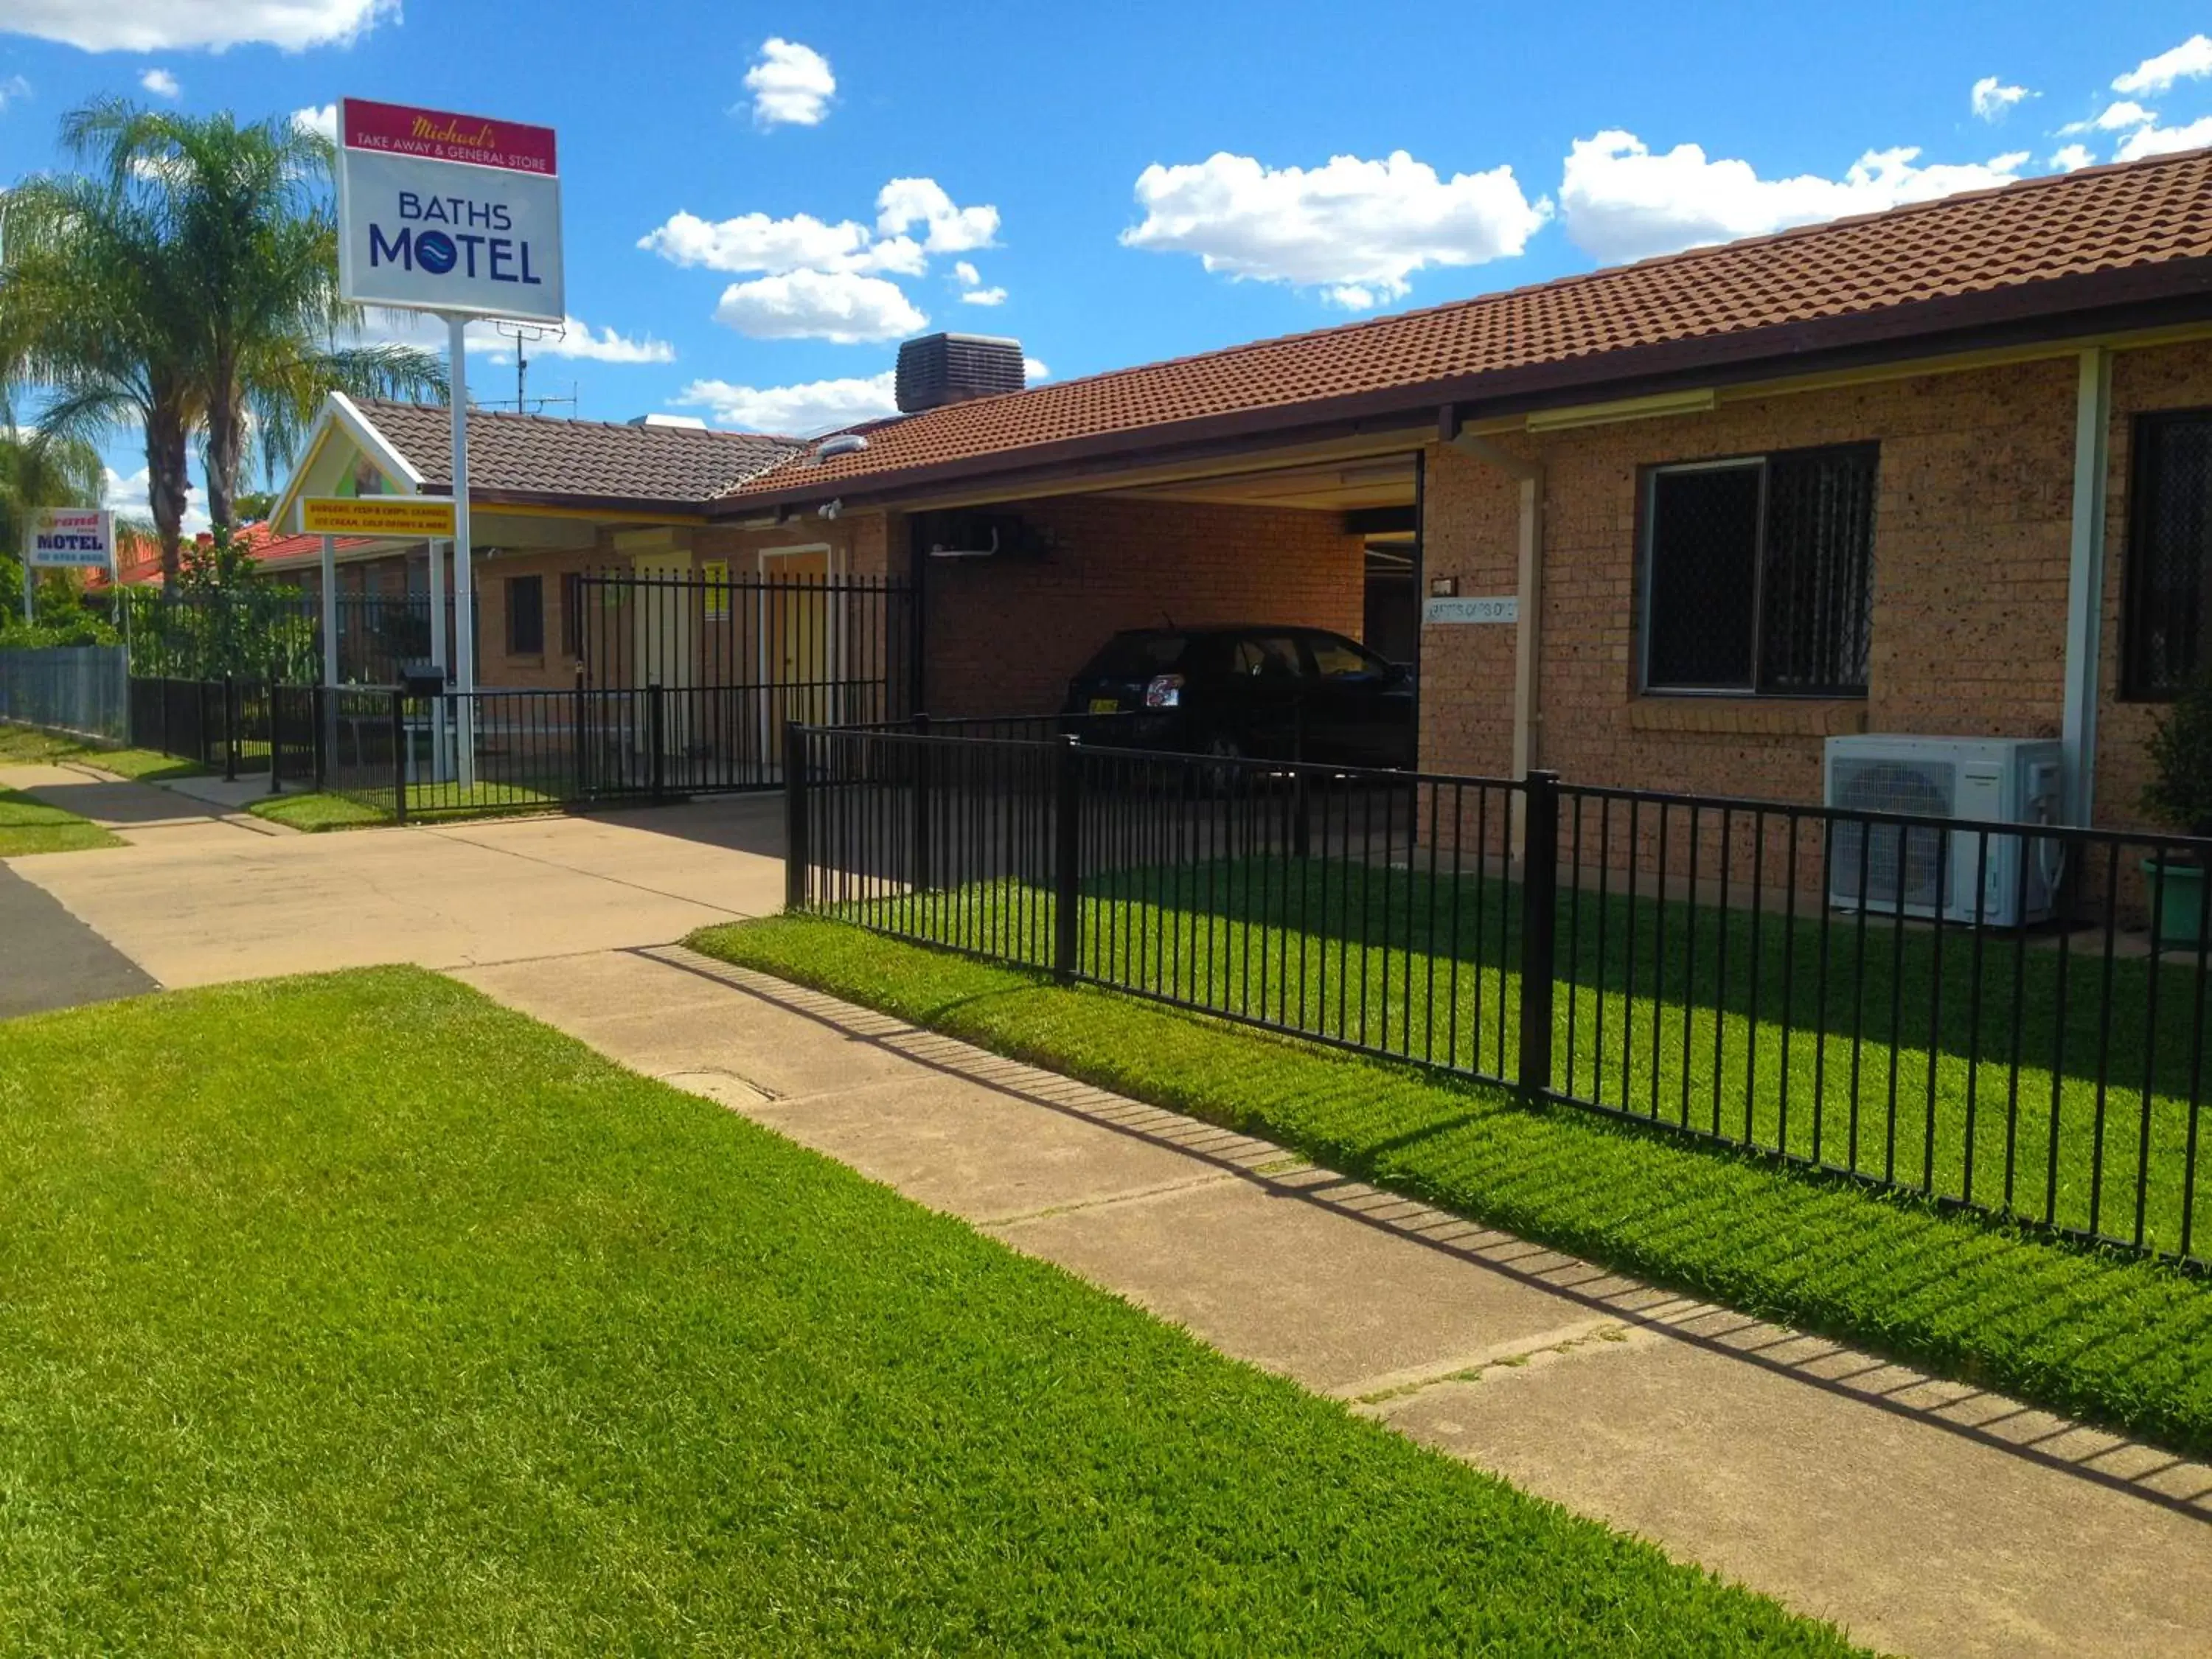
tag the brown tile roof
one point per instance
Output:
(1858, 277)
(539, 455)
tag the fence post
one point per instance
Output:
(1067, 860)
(656, 736)
(796, 784)
(275, 736)
(576, 741)
(319, 706)
(921, 806)
(398, 754)
(1539, 911)
(229, 729)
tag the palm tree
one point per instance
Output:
(91, 312)
(187, 283)
(246, 210)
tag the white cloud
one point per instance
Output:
(983, 296)
(12, 88)
(755, 242)
(1033, 370)
(1621, 201)
(425, 332)
(1355, 228)
(791, 85)
(2156, 140)
(966, 275)
(318, 117)
(2113, 118)
(579, 341)
(160, 83)
(173, 25)
(2072, 158)
(903, 203)
(842, 306)
(2192, 60)
(815, 406)
(606, 346)
(1991, 98)
(128, 498)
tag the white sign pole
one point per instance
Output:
(464, 598)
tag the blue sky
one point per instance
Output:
(1133, 181)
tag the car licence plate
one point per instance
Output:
(1105, 705)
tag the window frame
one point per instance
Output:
(2131, 686)
(514, 649)
(1646, 569)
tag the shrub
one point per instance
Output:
(2180, 790)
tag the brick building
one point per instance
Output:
(1945, 470)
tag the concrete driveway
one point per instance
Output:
(264, 902)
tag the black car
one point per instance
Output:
(1270, 692)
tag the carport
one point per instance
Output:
(1017, 594)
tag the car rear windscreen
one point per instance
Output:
(1136, 656)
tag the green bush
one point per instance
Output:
(59, 614)
(2180, 790)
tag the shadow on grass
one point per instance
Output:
(1923, 1269)
(1997, 1070)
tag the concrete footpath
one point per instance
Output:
(1926, 1518)
(203, 892)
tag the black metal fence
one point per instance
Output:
(1847, 991)
(266, 632)
(235, 727)
(792, 644)
(544, 749)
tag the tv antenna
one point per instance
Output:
(520, 333)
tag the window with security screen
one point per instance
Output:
(526, 615)
(1758, 573)
(2169, 554)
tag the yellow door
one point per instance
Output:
(661, 622)
(798, 645)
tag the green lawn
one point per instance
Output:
(2089, 1332)
(357, 1313)
(425, 801)
(28, 826)
(315, 812)
(25, 744)
(1694, 1016)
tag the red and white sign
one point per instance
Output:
(458, 214)
(439, 136)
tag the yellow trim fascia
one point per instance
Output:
(586, 515)
(1658, 406)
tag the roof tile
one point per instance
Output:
(539, 454)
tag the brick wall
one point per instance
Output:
(1970, 554)
(1005, 635)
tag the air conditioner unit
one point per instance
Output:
(1932, 872)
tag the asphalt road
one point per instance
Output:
(49, 959)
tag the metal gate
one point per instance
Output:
(736, 658)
